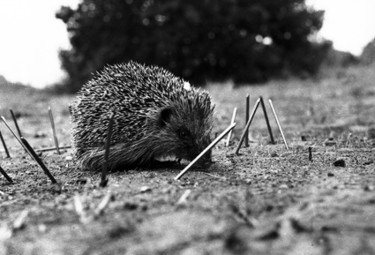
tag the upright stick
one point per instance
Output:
(15, 122)
(267, 120)
(38, 160)
(4, 145)
(2, 171)
(14, 134)
(248, 124)
(104, 180)
(278, 123)
(231, 122)
(209, 147)
(53, 129)
(247, 119)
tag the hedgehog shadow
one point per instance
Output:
(164, 166)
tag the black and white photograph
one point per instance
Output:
(187, 127)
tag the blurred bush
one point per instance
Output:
(336, 58)
(368, 53)
(200, 40)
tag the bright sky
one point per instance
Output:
(30, 39)
(349, 24)
(31, 35)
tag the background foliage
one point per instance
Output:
(368, 54)
(199, 40)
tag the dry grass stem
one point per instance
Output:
(78, 206)
(215, 176)
(278, 123)
(38, 160)
(53, 148)
(184, 196)
(103, 204)
(4, 145)
(232, 121)
(104, 179)
(15, 122)
(20, 221)
(2, 171)
(267, 120)
(247, 119)
(14, 134)
(53, 130)
(248, 125)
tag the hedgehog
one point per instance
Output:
(156, 116)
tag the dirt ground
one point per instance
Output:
(267, 200)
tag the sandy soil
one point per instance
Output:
(267, 200)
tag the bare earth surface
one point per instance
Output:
(267, 200)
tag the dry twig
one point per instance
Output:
(278, 123)
(209, 147)
(4, 145)
(231, 122)
(38, 160)
(53, 129)
(248, 125)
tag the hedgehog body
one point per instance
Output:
(155, 116)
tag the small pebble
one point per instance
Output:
(274, 154)
(283, 186)
(183, 199)
(130, 206)
(368, 162)
(81, 181)
(145, 189)
(40, 134)
(42, 228)
(69, 158)
(368, 188)
(339, 163)
(330, 142)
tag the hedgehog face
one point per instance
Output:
(184, 134)
(190, 144)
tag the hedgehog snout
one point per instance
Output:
(204, 161)
(207, 158)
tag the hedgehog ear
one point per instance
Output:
(165, 116)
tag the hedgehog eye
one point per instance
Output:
(183, 133)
